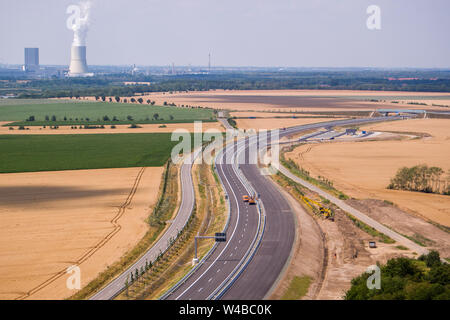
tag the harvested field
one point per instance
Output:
(296, 100)
(364, 169)
(53, 220)
(268, 124)
(144, 128)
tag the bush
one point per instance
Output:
(432, 259)
(402, 279)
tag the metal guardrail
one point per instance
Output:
(210, 252)
(234, 275)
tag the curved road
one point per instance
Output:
(184, 212)
(274, 249)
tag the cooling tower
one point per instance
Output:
(78, 64)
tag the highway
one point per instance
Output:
(241, 232)
(258, 243)
(274, 248)
(184, 212)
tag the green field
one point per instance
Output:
(25, 153)
(72, 113)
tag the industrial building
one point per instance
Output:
(78, 62)
(31, 60)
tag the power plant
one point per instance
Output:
(78, 63)
(78, 22)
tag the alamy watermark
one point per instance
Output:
(234, 144)
(374, 20)
(74, 280)
(374, 280)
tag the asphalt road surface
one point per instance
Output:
(266, 264)
(184, 212)
(272, 254)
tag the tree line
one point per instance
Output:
(113, 85)
(421, 178)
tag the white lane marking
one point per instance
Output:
(209, 279)
(235, 228)
(218, 270)
(228, 242)
(200, 289)
(225, 262)
(231, 254)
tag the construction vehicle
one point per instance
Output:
(326, 212)
(245, 198)
(252, 200)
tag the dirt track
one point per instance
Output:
(269, 124)
(52, 220)
(364, 169)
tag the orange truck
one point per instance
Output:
(245, 198)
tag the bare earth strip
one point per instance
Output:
(364, 169)
(145, 128)
(297, 100)
(246, 114)
(269, 124)
(52, 220)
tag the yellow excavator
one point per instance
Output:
(249, 199)
(326, 212)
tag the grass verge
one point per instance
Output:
(297, 288)
(172, 266)
(369, 230)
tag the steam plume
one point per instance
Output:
(78, 22)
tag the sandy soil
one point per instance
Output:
(146, 128)
(293, 100)
(364, 169)
(307, 258)
(268, 124)
(405, 223)
(331, 253)
(52, 220)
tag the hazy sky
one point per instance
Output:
(296, 33)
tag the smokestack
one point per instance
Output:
(78, 22)
(78, 63)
